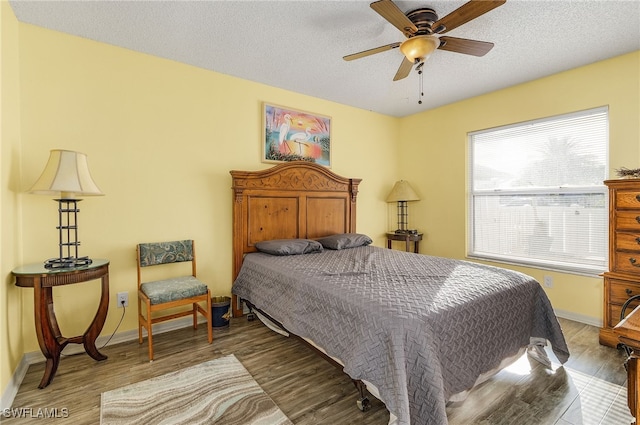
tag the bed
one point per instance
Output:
(417, 330)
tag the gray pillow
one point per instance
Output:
(345, 240)
(289, 246)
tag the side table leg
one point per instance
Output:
(94, 329)
(47, 331)
(51, 367)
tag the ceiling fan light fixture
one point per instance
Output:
(419, 47)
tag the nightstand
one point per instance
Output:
(51, 341)
(407, 238)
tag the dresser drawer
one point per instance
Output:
(627, 199)
(621, 290)
(626, 262)
(628, 241)
(628, 220)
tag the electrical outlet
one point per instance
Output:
(123, 299)
(548, 281)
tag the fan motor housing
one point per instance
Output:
(423, 18)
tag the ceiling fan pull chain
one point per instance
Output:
(420, 87)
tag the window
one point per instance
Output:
(537, 196)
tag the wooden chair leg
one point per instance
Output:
(632, 384)
(149, 322)
(195, 315)
(150, 338)
(139, 321)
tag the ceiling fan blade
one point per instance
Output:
(463, 45)
(466, 13)
(371, 51)
(389, 11)
(404, 70)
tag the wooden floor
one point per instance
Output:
(589, 389)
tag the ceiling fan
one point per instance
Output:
(423, 30)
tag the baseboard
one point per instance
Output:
(14, 383)
(587, 320)
(34, 357)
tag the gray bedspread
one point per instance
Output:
(419, 328)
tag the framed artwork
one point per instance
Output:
(294, 135)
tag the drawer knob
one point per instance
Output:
(628, 291)
(638, 240)
(638, 218)
(638, 197)
(634, 262)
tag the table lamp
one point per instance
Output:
(401, 193)
(66, 176)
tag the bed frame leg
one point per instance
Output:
(363, 402)
(251, 316)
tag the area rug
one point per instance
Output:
(220, 391)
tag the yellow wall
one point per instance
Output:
(162, 136)
(11, 336)
(433, 147)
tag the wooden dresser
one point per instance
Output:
(623, 278)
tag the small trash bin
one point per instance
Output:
(220, 311)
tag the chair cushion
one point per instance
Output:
(177, 288)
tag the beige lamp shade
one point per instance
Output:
(419, 46)
(402, 191)
(67, 175)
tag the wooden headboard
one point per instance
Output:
(291, 200)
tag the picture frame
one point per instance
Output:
(294, 135)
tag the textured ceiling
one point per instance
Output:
(298, 45)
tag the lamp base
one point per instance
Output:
(406, 232)
(67, 263)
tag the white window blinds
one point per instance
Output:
(537, 196)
